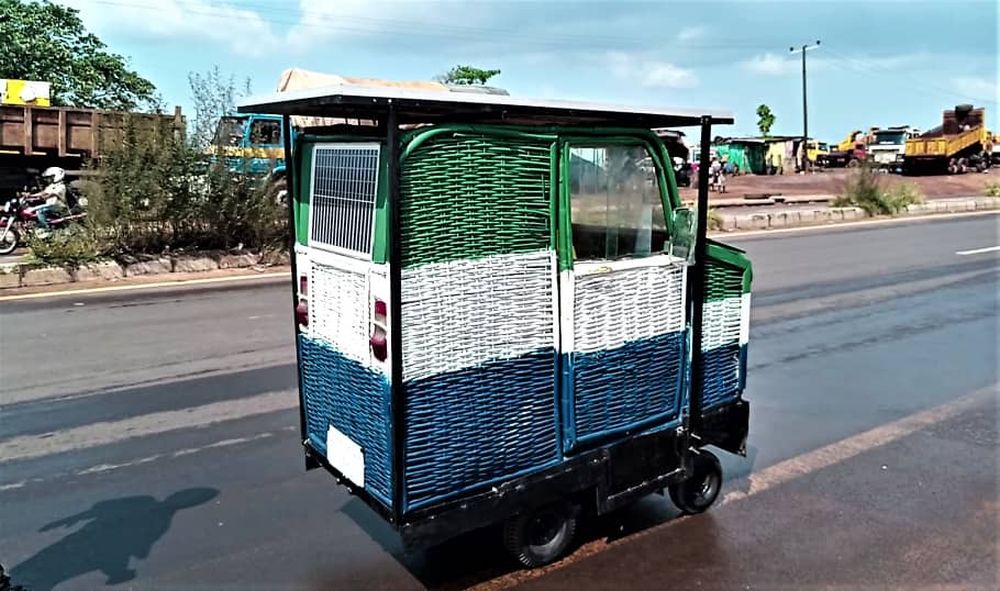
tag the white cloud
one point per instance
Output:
(976, 88)
(774, 64)
(771, 64)
(244, 32)
(257, 31)
(650, 73)
(688, 34)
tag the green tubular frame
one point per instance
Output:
(559, 138)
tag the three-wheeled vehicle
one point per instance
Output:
(504, 314)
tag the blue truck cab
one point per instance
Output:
(251, 144)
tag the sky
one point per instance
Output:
(879, 63)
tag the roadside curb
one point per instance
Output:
(22, 278)
(19, 275)
(795, 218)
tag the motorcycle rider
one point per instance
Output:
(54, 194)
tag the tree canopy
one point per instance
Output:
(765, 120)
(48, 42)
(467, 75)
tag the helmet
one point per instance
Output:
(53, 174)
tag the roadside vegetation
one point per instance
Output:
(992, 189)
(157, 191)
(865, 189)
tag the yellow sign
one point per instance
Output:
(24, 92)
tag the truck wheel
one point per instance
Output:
(853, 163)
(9, 242)
(540, 536)
(699, 491)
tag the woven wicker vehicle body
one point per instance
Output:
(504, 314)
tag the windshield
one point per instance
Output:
(230, 131)
(889, 137)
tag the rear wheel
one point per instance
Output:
(853, 163)
(701, 489)
(9, 241)
(540, 536)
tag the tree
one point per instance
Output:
(48, 42)
(765, 119)
(467, 75)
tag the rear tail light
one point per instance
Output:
(379, 340)
(302, 313)
(302, 308)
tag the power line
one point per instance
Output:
(917, 84)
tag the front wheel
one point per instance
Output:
(540, 536)
(701, 489)
(9, 240)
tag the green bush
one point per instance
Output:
(156, 190)
(992, 189)
(864, 189)
(72, 247)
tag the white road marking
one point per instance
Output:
(778, 474)
(856, 445)
(138, 286)
(101, 468)
(963, 253)
(33, 446)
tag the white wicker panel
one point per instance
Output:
(338, 309)
(722, 322)
(613, 308)
(461, 314)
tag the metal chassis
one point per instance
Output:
(605, 478)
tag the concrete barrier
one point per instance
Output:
(39, 276)
(107, 271)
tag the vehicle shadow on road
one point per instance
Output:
(116, 530)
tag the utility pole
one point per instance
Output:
(805, 105)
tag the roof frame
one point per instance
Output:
(426, 106)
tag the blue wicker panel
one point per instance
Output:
(617, 388)
(341, 392)
(477, 425)
(721, 377)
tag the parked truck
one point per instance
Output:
(33, 138)
(960, 144)
(888, 147)
(849, 153)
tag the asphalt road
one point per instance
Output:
(148, 440)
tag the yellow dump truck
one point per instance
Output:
(956, 146)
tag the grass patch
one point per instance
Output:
(992, 189)
(865, 190)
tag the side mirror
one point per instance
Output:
(684, 234)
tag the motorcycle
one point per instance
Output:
(18, 219)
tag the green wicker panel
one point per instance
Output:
(473, 196)
(723, 280)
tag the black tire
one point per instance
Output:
(701, 489)
(10, 242)
(853, 163)
(278, 191)
(541, 536)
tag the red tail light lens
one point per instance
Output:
(381, 311)
(303, 285)
(302, 313)
(380, 347)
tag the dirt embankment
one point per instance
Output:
(832, 182)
